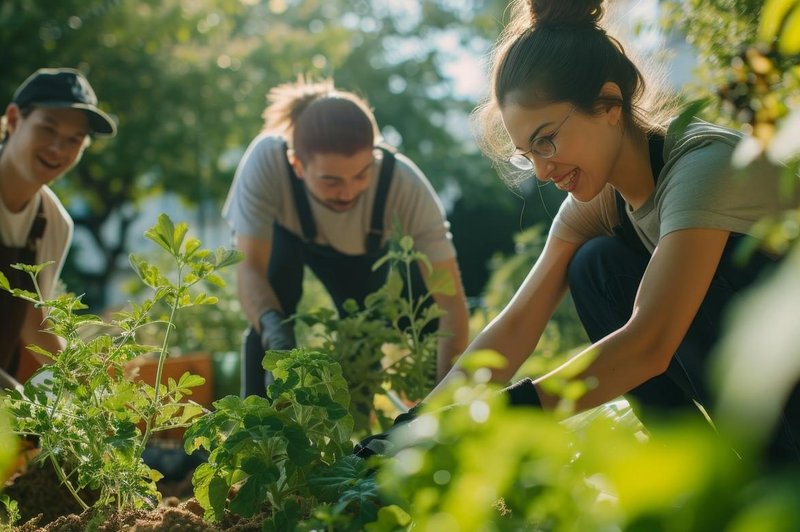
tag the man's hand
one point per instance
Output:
(276, 333)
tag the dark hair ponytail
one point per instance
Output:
(556, 51)
(565, 12)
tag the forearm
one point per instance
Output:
(255, 293)
(611, 367)
(454, 327)
(505, 336)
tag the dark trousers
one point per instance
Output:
(604, 277)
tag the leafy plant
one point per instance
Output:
(386, 344)
(92, 419)
(289, 454)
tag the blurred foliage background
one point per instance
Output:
(186, 81)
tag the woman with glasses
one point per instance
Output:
(644, 240)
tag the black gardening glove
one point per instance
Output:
(378, 443)
(523, 393)
(276, 333)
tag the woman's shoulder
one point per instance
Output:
(698, 133)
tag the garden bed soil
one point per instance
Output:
(45, 504)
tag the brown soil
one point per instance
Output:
(45, 504)
(187, 516)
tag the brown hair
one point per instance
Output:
(556, 51)
(315, 117)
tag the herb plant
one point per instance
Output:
(386, 344)
(289, 454)
(92, 419)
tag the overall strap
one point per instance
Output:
(625, 228)
(301, 203)
(375, 234)
(37, 228)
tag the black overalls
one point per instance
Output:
(344, 276)
(14, 309)
(604, 277)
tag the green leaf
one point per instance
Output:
(299, 448)
(689, 113)
(773, 15)
(189, 380)
(484, 358)
(328, 482)
(163, 233)
(441, 282)
(789, 41)
(406, 243)
(390, 517)
(4, 282)
(252, 494)
(192, 245)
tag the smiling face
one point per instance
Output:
(587, 147)
(336, 180)
(43, 145)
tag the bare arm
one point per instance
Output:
(516, 330)
(670, 294)
(255, 293)
(455, 323)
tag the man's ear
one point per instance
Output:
(611, 91)
(12, 117)
(297, 165)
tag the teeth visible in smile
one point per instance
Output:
(568, 181)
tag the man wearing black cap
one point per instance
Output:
(49, 122)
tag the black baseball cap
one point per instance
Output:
(65, 88)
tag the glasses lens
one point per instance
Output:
(543, 147)
(520, 161)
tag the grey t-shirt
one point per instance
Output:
(261, 194)
(697, 188)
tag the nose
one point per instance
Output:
(58, 144)
(542, 168)
(346, 192)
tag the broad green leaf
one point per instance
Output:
(329, 482)
(4, 282)
(163, 233)
(773, 15)
(789, 41)
(215, 280)
(441, 282)
(192, 245)
(390, 517)
(484, 358)
(189, 380)
(252, 494)
(299, 449)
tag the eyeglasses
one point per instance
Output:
(542, 146)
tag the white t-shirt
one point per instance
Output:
(53, 246)
(261, 194)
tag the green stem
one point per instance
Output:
(162, 357)
(67, 483)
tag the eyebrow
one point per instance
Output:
(534, 135)
(339, 178)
